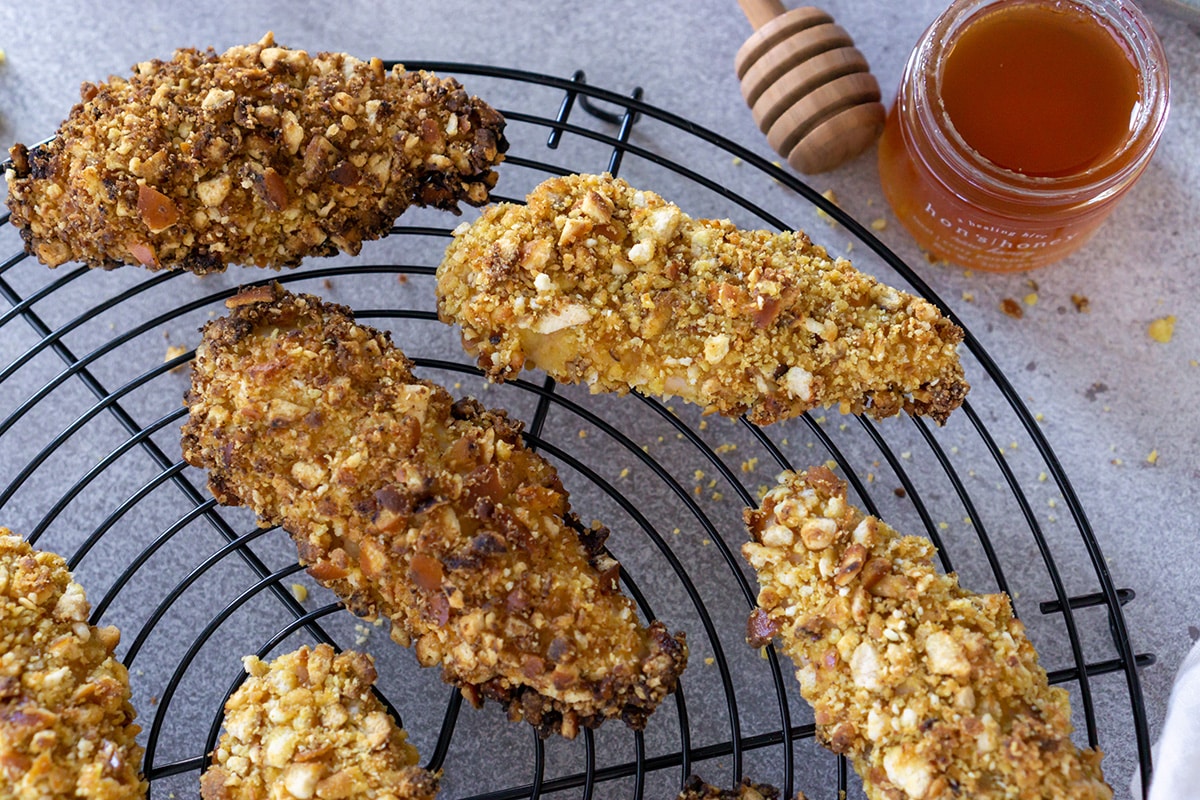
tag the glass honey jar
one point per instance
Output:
(1018, 126)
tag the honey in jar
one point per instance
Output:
(1019, 124)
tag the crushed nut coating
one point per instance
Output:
(427, 511)
(66, 723)
(260, 156)
(596, 282)
(307, 725)
(932, 691)
(696, 789)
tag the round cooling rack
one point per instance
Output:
(94, 365)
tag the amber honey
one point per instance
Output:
(1019, 124)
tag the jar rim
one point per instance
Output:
(923, 74)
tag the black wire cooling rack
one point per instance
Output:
(95, 364)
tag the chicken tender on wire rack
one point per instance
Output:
(307, 725)
(66, 723)
(261, 156)
(424, 510)
(596, 282)
(932, 691)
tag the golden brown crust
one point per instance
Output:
(66, 723)
(426, 511)
(596, 282)
(307, 725)
(261, 155)
(934, 692)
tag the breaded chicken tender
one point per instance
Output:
(424, 510)
(307, 725)
(596, 282)
(932, 691)
(261, 156)
(66, 723)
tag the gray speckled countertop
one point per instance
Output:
(1105, 394)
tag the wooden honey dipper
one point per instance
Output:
(810, 90)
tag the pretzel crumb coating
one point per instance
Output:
(307, 725)
(260, 156)
(932, 691)
(596, 282)
(427, 511)
(66, 724)
(694, 788)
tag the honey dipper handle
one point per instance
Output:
(760, 12)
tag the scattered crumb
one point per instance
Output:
(1010, 307)
(624, 473)
(737, 162)
(821, 214)
(943, 526)
(402, 278)
(676, 531)
(1031, 299)
(706, 541)
(1032, 284)
(710, 661)
(3, 56)
(968, 273)
(899, 492)
(717, 497)
(726, 448)
(879, 224)
(328, 284)
(1039, 416)
(703, 424)
(968, 297)
(1052, 502)
(968, 521)
(698, 475)
(1116, 462)
(831, 464)
(1042, 477)
(1161, 330)
(1081, 303)
(906, 455)
(361, 634)
(1194, 363)
(174, 351)
(582, 434)
(300, 592)
(870, 477)
(1153, 457)
(849, 247)
(762, 490)
(749, 464)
